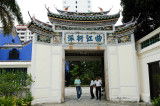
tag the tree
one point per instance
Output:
(9, 11)
(85, 70)
(147, 12)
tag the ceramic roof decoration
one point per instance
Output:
(82, 13)
(127, 27)
(40, 27)
(80, 21)
(85, 19)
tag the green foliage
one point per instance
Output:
(28, 98)
(9, 11)
(14, 82)
(149, 11)
(25, 101)
(13, 101)
(156, 101)
(8, 101)
(12, 85)
(85, 70)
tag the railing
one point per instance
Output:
(150, 41)
(21, 72)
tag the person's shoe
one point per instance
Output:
(96, 98)
(99, 99)
(79, 99)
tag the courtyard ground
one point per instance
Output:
(71, 100)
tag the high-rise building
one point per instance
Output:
(77, 5)
(23, 33)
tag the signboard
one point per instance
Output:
(84, 38)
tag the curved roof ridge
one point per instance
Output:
(82, 17)
(40, 22)
(129, 26)
(82, 13)
(126, 24)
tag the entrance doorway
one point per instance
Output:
(86, 64)
(154, 77)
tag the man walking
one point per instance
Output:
(91, 88)
(77, 82)
(98, 83)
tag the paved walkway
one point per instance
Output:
(71, 100)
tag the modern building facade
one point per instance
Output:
(77, 5)
(23, 33)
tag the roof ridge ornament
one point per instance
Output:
(66, 9)
(47, 8)
(120, 10)
(29, 15)
(101, 10)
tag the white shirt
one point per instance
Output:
(98, 83)
(92, 83)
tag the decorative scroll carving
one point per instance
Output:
(42, 38)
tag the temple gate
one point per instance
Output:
(94, 31)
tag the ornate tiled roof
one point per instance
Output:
(85, 19)
(127, 27)
(40, 27)
(83, 14)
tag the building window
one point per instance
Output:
(64, 2)
(76, 6)
(22, 37)
(14, 54)
(64, 6)
(76, 2)
(21, 29)
(88, 1)
(22, 33)
(88, 6)
(76, 10)
(150, 41)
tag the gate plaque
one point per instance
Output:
(84, 38)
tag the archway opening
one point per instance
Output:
(85, 64)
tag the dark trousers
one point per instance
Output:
(79, 91)
(91, 91)
(98, 92)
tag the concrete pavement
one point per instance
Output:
(71, 100)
